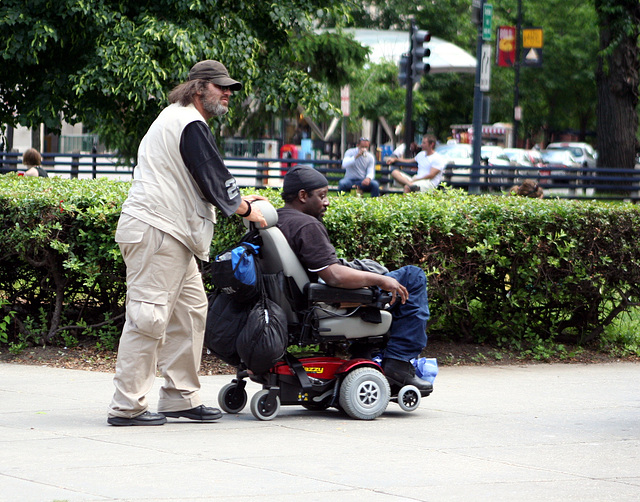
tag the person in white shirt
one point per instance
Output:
(430, 168)
(359, 165)
(399, 152)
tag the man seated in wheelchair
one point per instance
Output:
(305, 193)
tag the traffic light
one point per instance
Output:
(403, 69)
(418, 52)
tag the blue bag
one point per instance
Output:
(243, 263)
(426, 369)
(236, 272)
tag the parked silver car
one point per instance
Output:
(530, 160)
(583, 153)
(457, 155)
(555, 161)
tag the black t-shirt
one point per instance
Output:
(203, 160)
(308, 239)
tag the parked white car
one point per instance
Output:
(519, 156)
(583, 153)
(499, 166)
(456, 155)
(530, 160)
(459, 154)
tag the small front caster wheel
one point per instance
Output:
(409, 398)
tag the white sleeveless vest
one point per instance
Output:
(163, 193)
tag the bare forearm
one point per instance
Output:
(340, 276)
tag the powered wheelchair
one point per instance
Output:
(346, 325)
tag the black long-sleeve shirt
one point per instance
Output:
(203, 160)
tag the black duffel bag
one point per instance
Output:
(225, 319)
(263, 340)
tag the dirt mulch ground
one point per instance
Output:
(447, 353)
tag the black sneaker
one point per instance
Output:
(403, 373)
(146, 418)
(201, 413)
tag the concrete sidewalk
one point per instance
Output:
(524, 433)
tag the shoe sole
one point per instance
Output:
(121, 421)
(399, 384)
(197, 418)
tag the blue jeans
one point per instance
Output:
(345, 185)
(408, 334)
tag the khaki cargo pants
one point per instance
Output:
(166, 311)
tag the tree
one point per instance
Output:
(442, 99)
(618, 79)
(110, 64)
(376, 92)
(559, 96)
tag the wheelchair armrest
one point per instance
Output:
(363, 296)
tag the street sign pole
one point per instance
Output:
(408, 103)
(516, 89)
(477, 111)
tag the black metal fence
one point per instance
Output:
(556, 181)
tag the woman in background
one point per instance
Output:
(32, 161)
(529, 188)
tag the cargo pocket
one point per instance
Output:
(147, 312)
(128, 236)
(129, 231)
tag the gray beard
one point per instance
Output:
(215, 109)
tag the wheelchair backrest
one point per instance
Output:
(277, 256)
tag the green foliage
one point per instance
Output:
(560, 95)
(502, 268)
(330, 56)
(376, 93)
(59, 260)
(110, 64)
(5, 321)
(519, 273)
(450, 20)
(621, 337)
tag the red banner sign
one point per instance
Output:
(506, 42)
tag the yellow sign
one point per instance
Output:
(532, 38)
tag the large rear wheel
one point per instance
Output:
(364, 393)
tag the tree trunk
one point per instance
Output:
(617, 80)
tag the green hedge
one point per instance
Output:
(503, 270)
